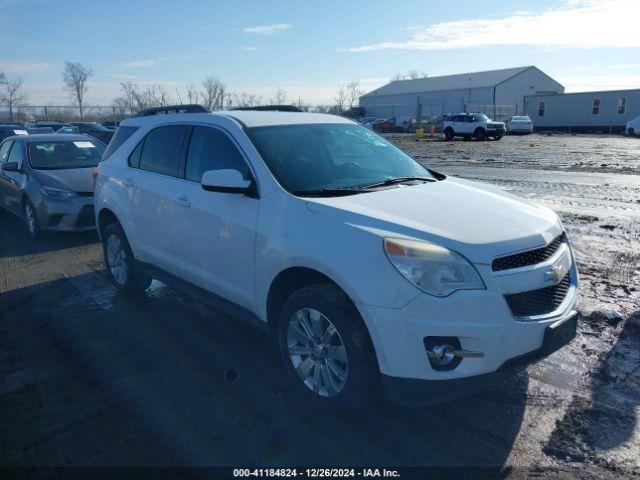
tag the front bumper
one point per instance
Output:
(75, 215)
(481, 320)
(491, 131)
(414, 393)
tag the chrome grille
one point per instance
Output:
(530, 257)
(539, 302)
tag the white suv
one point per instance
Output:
(476, 125)
(367, 268)
(633, 127)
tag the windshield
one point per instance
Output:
(482, 117)
(64, 154)
(312, 157)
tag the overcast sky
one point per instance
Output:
(310, 47)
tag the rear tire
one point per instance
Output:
(326, 349)
(497, 138)
(124, 272)
(448, 133)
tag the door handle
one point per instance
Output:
(183, 201)
(128, 182)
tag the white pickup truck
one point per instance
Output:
(476, 125)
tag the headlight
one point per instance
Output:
(58, 193)
(433, 269)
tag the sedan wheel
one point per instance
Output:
(317, 352)
(31, 220)
(117, 259)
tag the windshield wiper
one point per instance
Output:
(331, 192)
(394, 180)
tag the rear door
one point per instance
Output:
(215, 231)
(5, 148)
(153, 186)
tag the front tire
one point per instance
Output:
(448, 133)
(325, 348)
(480, 134)
(632, 132)
(123, 270)
(31, 219)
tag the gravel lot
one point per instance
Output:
(91, 378)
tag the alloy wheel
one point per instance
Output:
(31, 219)
(317, 352)
(117, 259)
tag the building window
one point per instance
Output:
(541, 109)
(622, 105)
(595, 107)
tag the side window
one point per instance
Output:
(161, 151)
(541, 109)
(4, 151)
(121, 136)
(595, 107)
(17, 153)
(211, 149)
(134, 158)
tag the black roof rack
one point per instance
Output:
(191, 108)
(273, 108)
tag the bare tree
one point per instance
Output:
(192, 94)
(12, 97)
(244, 99)
(280, 97)
(353, 92)
(75, 77)
(341, 98)
(213, 95)
(411, 75)
(414, 74)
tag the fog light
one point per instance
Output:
(440, 352)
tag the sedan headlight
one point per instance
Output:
(59, 194)
(435, 270)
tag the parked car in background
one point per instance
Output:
(437, 122)
(472, 125)
(95, 130)
(633, 128)
(71, 129)
(40, 130)
(369, 269)
(111, 124)
(401, 124)
(48, 180)
(11, 129)
(521, 124)
(55, 125)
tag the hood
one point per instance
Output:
(74, 179)
(477, 220)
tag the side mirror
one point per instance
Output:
(10, 167)
(227, 181)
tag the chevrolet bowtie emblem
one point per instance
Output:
(554, 274)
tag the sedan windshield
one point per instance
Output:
(321, 157)
(64, 154)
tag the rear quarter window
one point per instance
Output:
(121, 136)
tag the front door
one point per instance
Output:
(215, 232)
(10, 182)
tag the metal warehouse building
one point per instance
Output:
(498, 93)
(607, 111)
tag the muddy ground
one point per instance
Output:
(89, 378)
